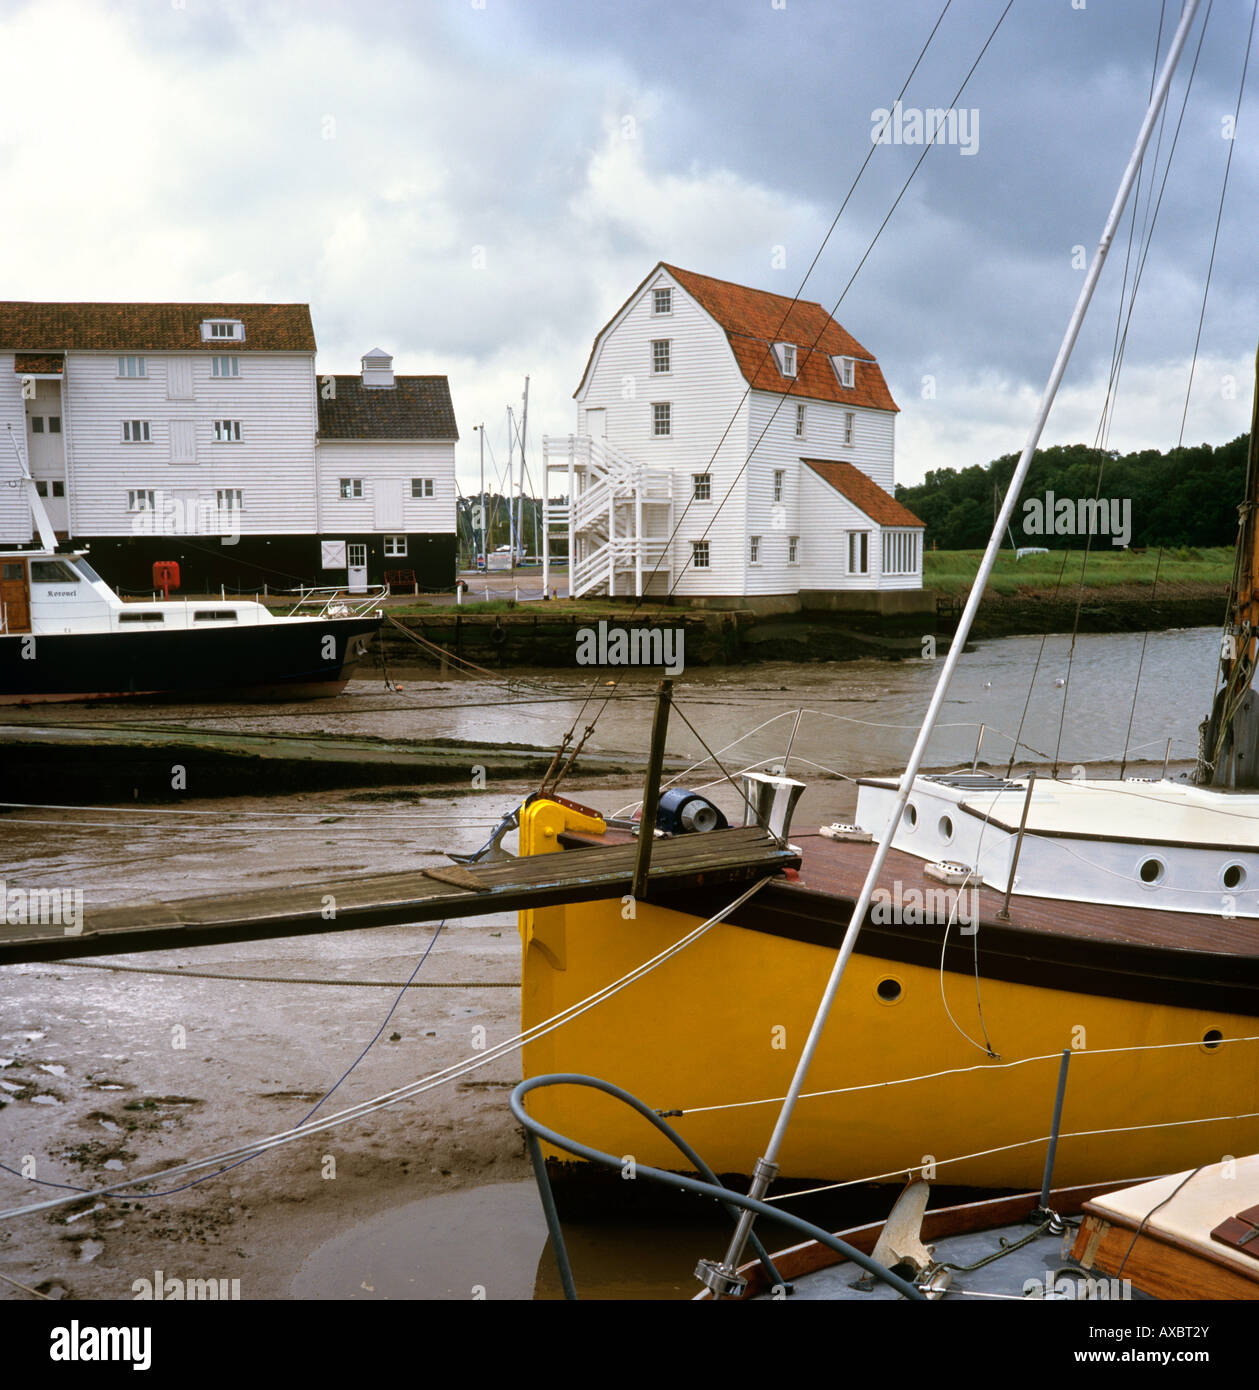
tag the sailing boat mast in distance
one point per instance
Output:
(1228, 754)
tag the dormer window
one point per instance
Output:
(662, 300)
(222, 331)
(786, 358)
(844, 367)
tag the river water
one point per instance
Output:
(860, 716)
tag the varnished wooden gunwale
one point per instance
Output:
(1158, 1263)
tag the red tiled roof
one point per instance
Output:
(755, 319)
(863, 492)
(39, 362)
(151, 327)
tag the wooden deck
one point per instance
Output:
(727, 857)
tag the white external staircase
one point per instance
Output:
(617, 517)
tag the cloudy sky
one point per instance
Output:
(476, 185)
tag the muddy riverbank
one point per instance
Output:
(548, 634)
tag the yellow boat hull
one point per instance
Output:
(715, 1032)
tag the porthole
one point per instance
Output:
(889, 990)
(1211, 1039)
(1233, 877)
(946, 828)
(1152, 871)
(911, 815)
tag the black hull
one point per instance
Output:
(294, 658)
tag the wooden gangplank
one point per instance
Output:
(735, 856)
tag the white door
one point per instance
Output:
(387, 499)
(358, 568)
(597, 423)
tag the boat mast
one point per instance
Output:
(723, 1277)
(1229, 750)
(520, 496)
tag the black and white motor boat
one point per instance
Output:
(66, 635)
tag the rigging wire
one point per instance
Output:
(1219, 213)
(1101, 463)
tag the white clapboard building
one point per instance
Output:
(732, 444)
(202, 433)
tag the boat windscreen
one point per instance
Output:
(52, 572)
(86, 570)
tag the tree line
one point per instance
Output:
(1184, 497)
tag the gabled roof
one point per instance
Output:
(414, 407)
(863, 492)
(32, 327)
(756, 319)
(753, 320)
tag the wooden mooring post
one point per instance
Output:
(651, 790)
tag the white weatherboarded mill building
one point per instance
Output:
(732, 443)
(202, 434)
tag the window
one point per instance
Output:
(900, 552)
(701, 486)
(37, 424)
(793, 550)
(395, 545)
(420, 487)
(131, 366)
(149, 617)
(778, 484)
(846, 430)
(54, 424)
(141, 500)
(41, 487)
(662, 301)
(214, 615)
(786, 358)
(858, 552)
(227, 431)
(222, 330)
(135, 432)
(699, 554)
(358, 556)
(52, 572)
(353, 487)
(661, 419)
(754, 550)
(660, 355)
(800, 421)
(224, 366)
(844, 371)
(230, 499)
(58, 488)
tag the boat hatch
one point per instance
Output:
(975, 782)
(1241, 1232)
